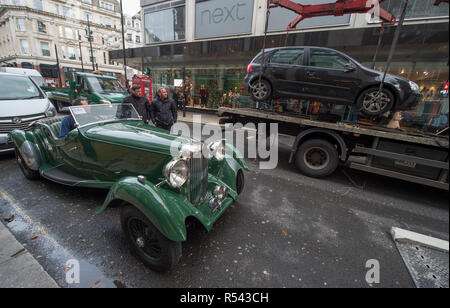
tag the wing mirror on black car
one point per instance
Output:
(349, 67)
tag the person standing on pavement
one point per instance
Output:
(140, 103)
(163, 111)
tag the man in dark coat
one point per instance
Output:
(163, 111)
(140, 103)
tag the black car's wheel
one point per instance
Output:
(261, 91)
(372, 102)
(27, 172)
(147, 242)
(317, 158)
(240, 182)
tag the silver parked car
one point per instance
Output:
(21, 103)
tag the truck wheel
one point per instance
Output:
(27, 172)
(317, 158)
(261, 92)
(147, 242)
(370, 103)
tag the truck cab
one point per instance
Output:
(95, 88)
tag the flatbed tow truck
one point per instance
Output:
(319, 147)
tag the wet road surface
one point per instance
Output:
(287, 230)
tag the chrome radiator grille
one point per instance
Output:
(7, 125)
(198, 180)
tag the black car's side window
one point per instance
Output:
(327, 59)
(288, 56)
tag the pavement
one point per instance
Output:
(18, 268)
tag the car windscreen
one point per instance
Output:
(39, 80)
(18, 88)
(89, 114)
(101, 85)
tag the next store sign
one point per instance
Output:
(223, 18)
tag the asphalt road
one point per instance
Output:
(287, 230)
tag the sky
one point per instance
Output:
(131, 7)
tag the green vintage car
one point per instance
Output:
(162, 181)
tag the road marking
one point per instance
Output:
(16, 206)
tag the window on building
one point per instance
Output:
(88, 16)
(20, 24)
(63, 52)
(328, 59)
(104, 57)
(87, 1)
(61, 31)
(16, 2)
(288, 56)
(107, 6)
(38, 5)
(165, 26)
(25, 47)
(415, 9)
(138, 39)
(129, 37)
(108, 22)
(66, 11)
(71, 53)
(69, 33)
(42, 27)
(45, 48)
(57, 9)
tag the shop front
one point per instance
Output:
(218, 67)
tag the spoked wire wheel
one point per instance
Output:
(144, 239)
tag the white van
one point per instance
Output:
(22, 102)
(33, 74)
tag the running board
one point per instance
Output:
(57, 175)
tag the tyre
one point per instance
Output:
(261, 91)
(156, 251)
(240, 182)
(317, 158)
(371, 104)
(27, 172)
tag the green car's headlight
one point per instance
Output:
(176, 173)
(217, 150)
(105, 101)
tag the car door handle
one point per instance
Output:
(73, 149)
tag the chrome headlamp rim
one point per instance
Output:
(176, 172)
(217, 150)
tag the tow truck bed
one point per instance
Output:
(401, 154)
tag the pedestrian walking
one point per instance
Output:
(163, 111)
(140, 103)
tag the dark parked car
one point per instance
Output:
(329, 76)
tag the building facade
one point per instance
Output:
(33, 33)
(211, 42)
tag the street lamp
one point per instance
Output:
(123, 48)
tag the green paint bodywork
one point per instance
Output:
(112, 155)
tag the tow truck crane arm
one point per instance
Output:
(339, 8)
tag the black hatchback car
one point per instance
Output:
(329, 76)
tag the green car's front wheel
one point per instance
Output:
(147, 242)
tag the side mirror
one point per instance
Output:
(350, 67)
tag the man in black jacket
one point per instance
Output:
(163, 111)
(140, 103)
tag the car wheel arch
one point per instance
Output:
(146, 199)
